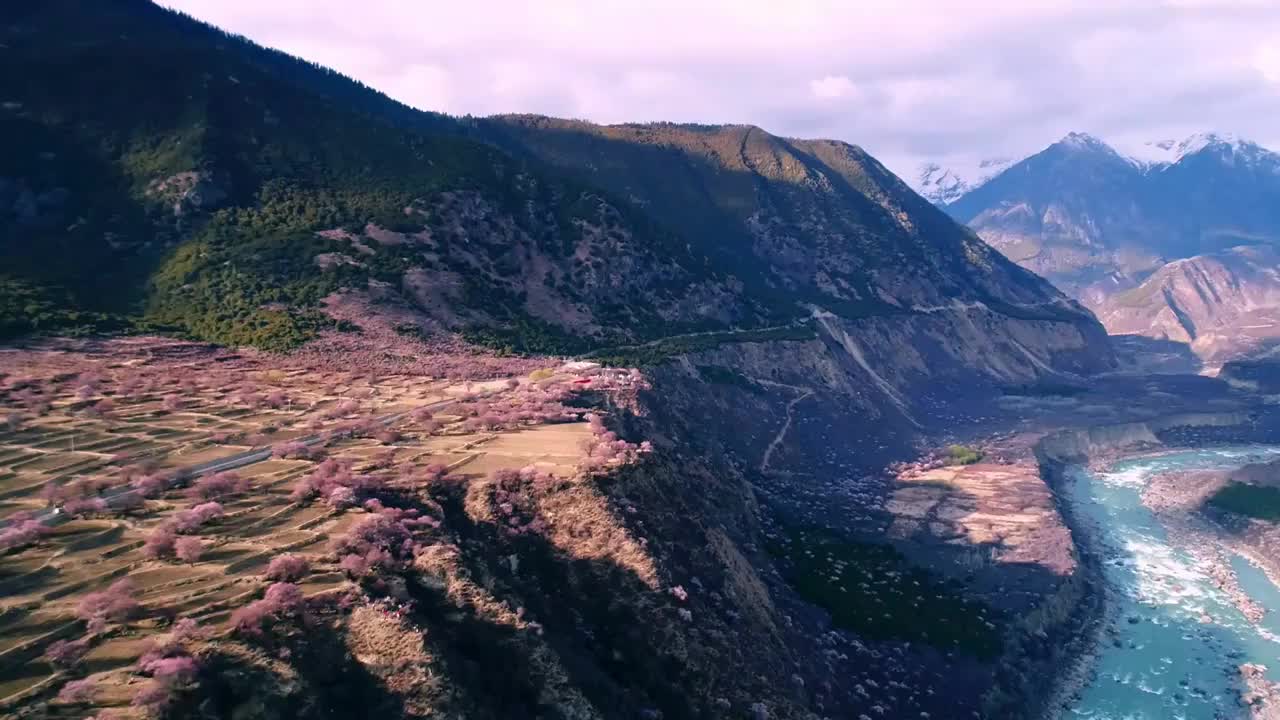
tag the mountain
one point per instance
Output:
(226, 195)
(942, 185)
(235, 183)
(164, 177)
(1223, 305)
(1096, 222)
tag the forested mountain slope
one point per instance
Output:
(220, 184)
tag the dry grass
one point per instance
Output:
(45, 581)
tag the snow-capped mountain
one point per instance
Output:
(941, 185)
(1160, 154)
(1096, 220)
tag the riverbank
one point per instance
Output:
(1084, 631)
(1095, 449)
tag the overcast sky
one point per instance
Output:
(909, 80)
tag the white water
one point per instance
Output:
(1176, 640)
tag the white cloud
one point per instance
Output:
(932, 78)
(1267, 61)
(832, 86)
(426, 87)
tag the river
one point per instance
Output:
(1175, 641)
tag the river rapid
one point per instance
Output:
(1174, 641)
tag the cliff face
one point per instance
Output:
(1222, 305)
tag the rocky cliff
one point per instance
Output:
(1222, 305)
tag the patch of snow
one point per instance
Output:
(942, 185)
(1153, 152)
(1084, 141)
(1159, 154)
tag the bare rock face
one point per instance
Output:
(1222, 305)
(189, 192)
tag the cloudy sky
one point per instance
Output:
(909, 80)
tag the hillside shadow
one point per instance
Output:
(59, 249)
(334, 684)
(1151, 355)
(600, 619)
(712, 185)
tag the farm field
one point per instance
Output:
(157, 495)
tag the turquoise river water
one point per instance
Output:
(1177, 640)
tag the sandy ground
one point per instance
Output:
(1005, 508)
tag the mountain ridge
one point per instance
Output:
(1095, 221)
(944, 183)
(1222, 305)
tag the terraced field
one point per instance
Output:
(105, 466)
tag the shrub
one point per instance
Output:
(191, 519)
(188, 549)
(280, 599)
(66, 653)
(170, 665)
(383, 541)
(159, 543)
(217, 486)
(115, 604)
(288, 568)
(962, 455)
(20, 532)
(294, 450)
(78, 691)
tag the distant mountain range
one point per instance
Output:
(1100, 224)
(1223, 305)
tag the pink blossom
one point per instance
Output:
(288, 568)
(217, 485)
(78, 691)
(67, 653)
(116, 603)
(191, 519)
(159, 542)
(188, 549)
(21, 532)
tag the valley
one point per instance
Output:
(319, 405)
